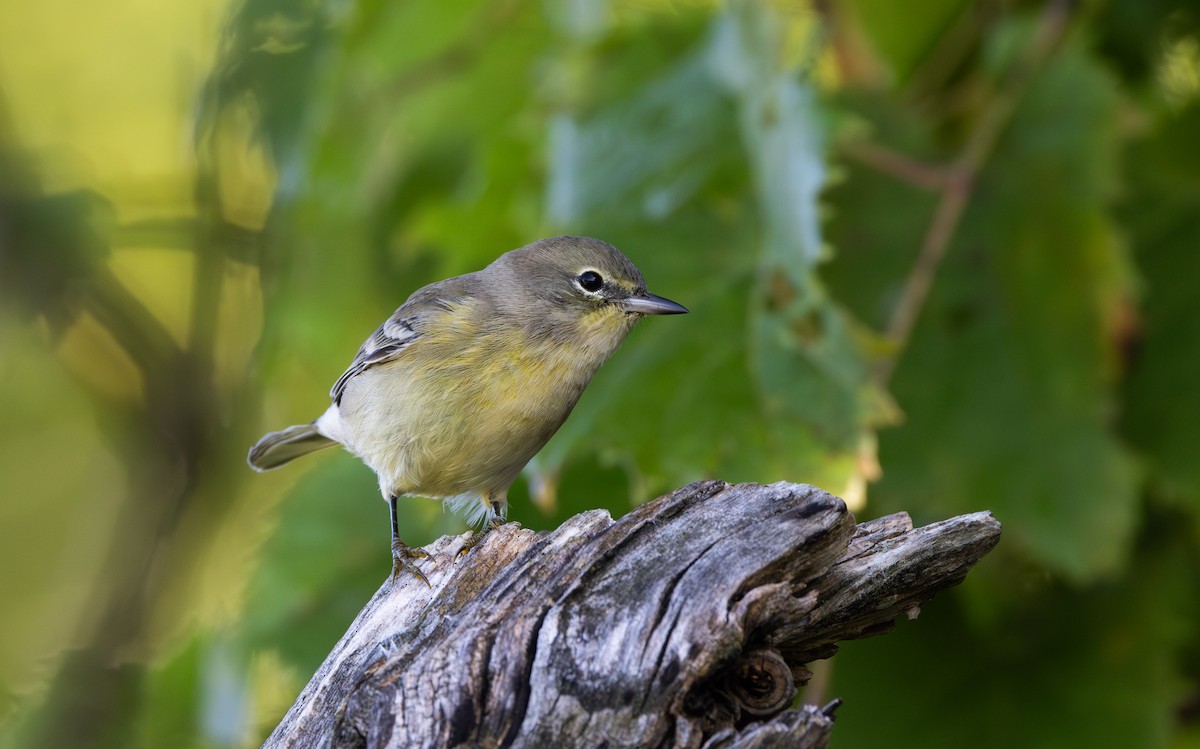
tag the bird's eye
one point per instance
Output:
(590, 280)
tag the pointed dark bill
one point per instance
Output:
(651, 304)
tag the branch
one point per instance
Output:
(955, 182)
(686, 623)
(893, 163)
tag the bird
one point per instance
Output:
(456, 392)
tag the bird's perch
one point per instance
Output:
(686, 623)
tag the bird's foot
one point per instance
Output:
(402, 559)
(492, 524)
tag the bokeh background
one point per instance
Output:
(941, 257)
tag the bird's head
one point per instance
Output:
(576, 287)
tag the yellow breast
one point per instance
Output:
(467, 407)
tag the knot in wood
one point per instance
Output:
(761, 683)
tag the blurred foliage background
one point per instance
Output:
(940, 257)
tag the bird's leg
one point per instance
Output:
(496, 517)
(403, 554)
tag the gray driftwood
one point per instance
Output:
(686, 623)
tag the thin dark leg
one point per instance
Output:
(499, 512)
(402, 553)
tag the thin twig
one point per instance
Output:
(956, 192)
(898, 165)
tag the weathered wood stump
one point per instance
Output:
(686, 623)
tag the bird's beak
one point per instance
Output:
(651, 304)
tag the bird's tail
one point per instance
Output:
(277, 448)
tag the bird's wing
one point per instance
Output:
(406, 325)
(385, 344)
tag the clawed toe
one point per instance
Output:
(469, 544)
(402, 559)
(477, 537)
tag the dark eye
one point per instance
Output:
(590, 280)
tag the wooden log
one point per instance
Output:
(686, 623)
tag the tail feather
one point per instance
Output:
(277, 448)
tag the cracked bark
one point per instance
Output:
(686, 623)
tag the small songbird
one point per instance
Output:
(461, 386)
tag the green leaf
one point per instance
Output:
(766, 371)
(1009, 381)
(1163, 216)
